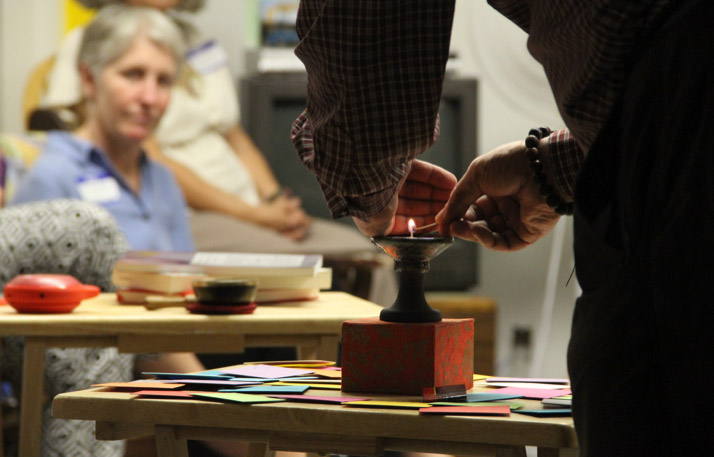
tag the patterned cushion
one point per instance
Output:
(80, 239)
(60, 236)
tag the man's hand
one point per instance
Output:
(497, 204)
(420, 196)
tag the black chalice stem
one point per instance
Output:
(411, 261)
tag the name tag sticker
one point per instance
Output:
(98, 188)
(207, 57)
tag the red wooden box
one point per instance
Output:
(387, 357)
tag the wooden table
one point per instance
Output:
(315, 327)
(320, 428)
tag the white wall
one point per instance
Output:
(29, 30)
(513, 97)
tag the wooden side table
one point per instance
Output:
(314, 427)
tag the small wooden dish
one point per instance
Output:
(225, 291)
(198, 308)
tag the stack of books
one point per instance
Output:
(163, 278)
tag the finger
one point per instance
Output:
(296, 234)
(423, 191)
(401, 224)
(493, 212)
(473, 214)
(466, 192)
(295, 219)
(294, 203)
(472, 231)
(432, 174)
(486, 207)
(484, 234)
(418, 208)
(283, 205)
(509, 210)
(497, 223)
(528, 225)
(504, 216)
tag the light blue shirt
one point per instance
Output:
(69, 167)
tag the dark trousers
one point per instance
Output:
(641, 348)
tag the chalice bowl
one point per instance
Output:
(411, 256)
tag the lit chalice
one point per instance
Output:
(411, 256)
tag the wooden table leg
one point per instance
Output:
(168, 444)
(510, 451)
(328, 347)
(33, 382)
(326, 350)
(259, 450)
(555, 452)
(307, 352)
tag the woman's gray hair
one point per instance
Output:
(114, 29)
(185, 5)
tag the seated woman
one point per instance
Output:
(128, 61)
(238, 203)
(127, 82)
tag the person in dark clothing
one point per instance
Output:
(634, 166)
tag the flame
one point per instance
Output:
(411, 226)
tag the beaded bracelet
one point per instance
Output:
(546, 190)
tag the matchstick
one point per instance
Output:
(423, 227)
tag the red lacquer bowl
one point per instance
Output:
(47, 293)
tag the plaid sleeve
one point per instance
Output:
(375, 74)
(567, 158)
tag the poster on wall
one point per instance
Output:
(277, 22)
(74, 15)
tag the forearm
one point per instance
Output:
(199, 194)
(174, 362)
(202, 196)
(373, 103)
(253, 159)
